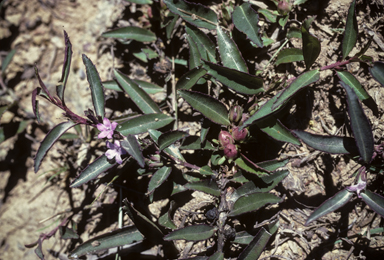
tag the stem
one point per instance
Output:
(174, 95)
(277, 52)
(336, 64)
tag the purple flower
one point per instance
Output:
(358, 187)
(106, 129)
(115, 151)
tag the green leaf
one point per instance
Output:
(166, 220)
(351, 81)
(256, 246)
(264, 111)
(148, 87)
(299, 2)
(121, 237)
(189, 79)
(272, 165)
(171, 25)
(283, 20)
(133, 148)
(7, 60)
(131, 33)
(93, 170)
(211, 108)
(294, 32)
(328, 144)
(300, 82)
(97, 89)
(206, 170)
(141, 124)
(146, 227)
(246, 20)
(66, 67)
(137, 94)
(146, 54)
(194, 143)
(192, 233)
(243, 238)
(49, 140)
(248, 167)
(206, 47)
(171, 137)
(377, 71)
(158, 178)
(311, 45)
(289, 55)
(234, 79)
(207, 186)
(194, 53)
(229, 53)
(270, 16)
(195, 14)
(217, 256)
(338, 200)
(374, 201)
(171, 150)
(350, 33)
(250, 187)
(360, 125)
(252, 202)
(68, 233)
(275, 129)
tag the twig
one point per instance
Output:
(194, 16)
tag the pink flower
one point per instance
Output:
(358, 187)
(115, 151)
(106, 129)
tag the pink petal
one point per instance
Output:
(109, 134)
(102, 134)
(106, 122)
(110, 154)
(101, 127)
(118, 159)
(113, 126)
(110, 145)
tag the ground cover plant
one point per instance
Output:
(214, 131)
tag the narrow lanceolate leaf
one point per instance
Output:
(158, 178)
(43, 87)
(269, 15)
(360, 125)
(195, 14)
(93, 170)
(35, 104)
(340, 199)
(137, 94)
(189, 79)
(171, 137)
(351, 81)
(206, 47)
(148, 87)
(229, 53)
(195, 143)
(300, 82)
(171, 150)
(272, 165)
(249, 167)
(243, 238)
(377, 71)
(351, 29)
(374, 201)
(66, 67)
(252, 202)
(192, 233)
(328, 144)
(217, 256)
(166, 219)
(121, 237)
(256, 247)
(49, 140)
(264, 111)
(142, 123)
(211, 108)
(246, 20)
(194, 53)
(311, 45)
(97, 89)
(142, 2)
(239, 81)
(251, 187)
(149, 229)
(7, 60)
(131, 33)
(275, 129)
(289, 55)
(133, 148)
(207, 186)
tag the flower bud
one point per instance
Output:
(225, 138)
(284, 7)
(235, 114)
(230, 151)
(239, 135)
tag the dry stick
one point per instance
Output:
(174, 95)
(194, 16)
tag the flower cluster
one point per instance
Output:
(114, 149)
